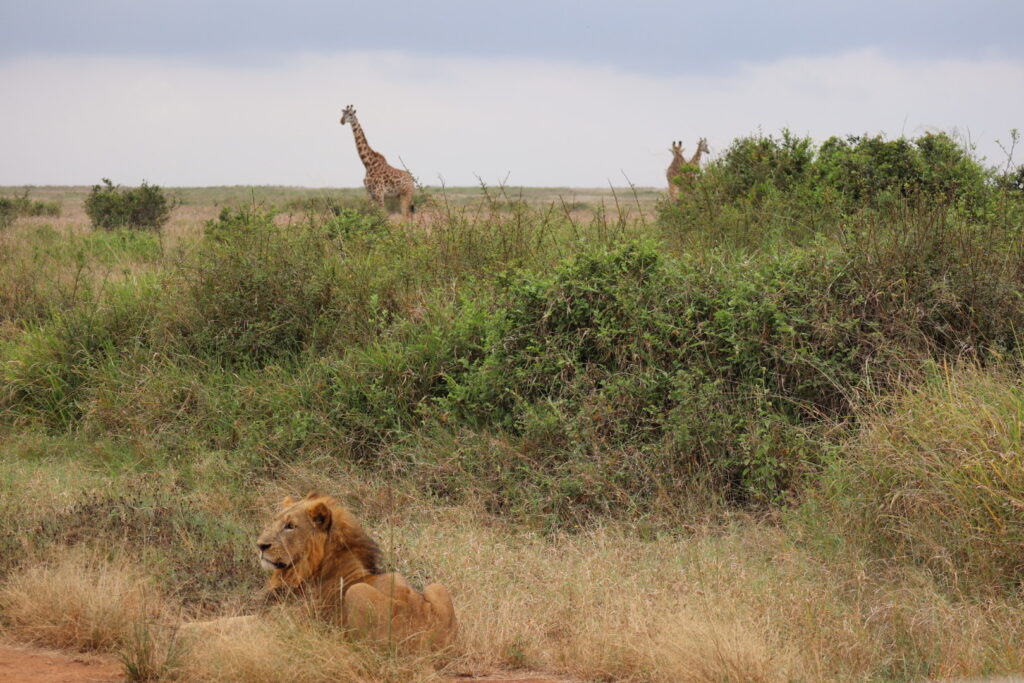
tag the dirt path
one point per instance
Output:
(26, 664)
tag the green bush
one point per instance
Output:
(867, 170)
(22, 205)
(612, 350)
(768, 191)
(8, 212)
(726, 366)
(141, 208)
(257, 291)
(752, 165)
(50, 367)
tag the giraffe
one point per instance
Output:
(702, 148)
(675, 168)
(382, 179)
(682, 171)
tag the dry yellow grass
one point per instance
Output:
(287, 645)
(737, 602)
(743, 601)
(78, 602)
(939, 477)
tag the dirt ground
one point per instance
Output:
(27, 664)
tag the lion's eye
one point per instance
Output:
(289, 526)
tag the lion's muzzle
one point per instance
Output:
(267, 562)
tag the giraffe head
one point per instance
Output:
(702, 146)
(677, 148)
(347, 113)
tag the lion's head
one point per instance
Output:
(315, 538)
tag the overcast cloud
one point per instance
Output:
(560, 93)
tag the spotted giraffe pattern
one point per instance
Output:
(382, 179)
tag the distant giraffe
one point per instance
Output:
(675, 168)
(702, 148)
(382, 180)
(682, 171)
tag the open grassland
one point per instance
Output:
(772, 431)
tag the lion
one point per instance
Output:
(315, 548)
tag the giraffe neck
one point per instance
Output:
(677, 160)
(366, 153)
(696, 157)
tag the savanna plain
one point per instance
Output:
(771, 430)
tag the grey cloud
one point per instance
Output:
(660, 37)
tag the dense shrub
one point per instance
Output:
(8, 212)
(143, 208)
(51, 365)
(722, 365)
(868, 169)
(864, 171)
(757, 163)
(257, 291)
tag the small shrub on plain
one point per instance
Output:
(143, 208)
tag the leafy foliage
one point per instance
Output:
(257, 291)
(22, 205)
(142, 208)
(575, 368)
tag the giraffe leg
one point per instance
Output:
(406, 202)
(376, 196)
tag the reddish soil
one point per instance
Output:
(26, 664)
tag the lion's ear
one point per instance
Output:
(320, 516)
(287, 502)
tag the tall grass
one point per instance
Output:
(936, 475)
(730, 599)
(78, 602)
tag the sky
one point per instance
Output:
(564, 93)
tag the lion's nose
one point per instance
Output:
(262, 546)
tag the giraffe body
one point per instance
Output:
(382, 179)
(675, 168)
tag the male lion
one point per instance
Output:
(316, 549)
